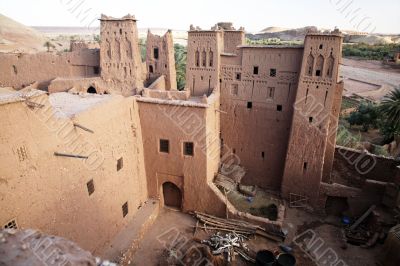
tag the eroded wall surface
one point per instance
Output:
(120, 57)
(316, 97)
(51, 193)
(160, 59)
(258, 89)
(20, 70)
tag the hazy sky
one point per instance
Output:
(361, 15)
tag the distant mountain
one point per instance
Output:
(16, 37)
(298, 34)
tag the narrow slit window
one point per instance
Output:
(90, 187)
(125, 209)
(120, 163)
(156, 53)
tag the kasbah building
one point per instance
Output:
(90, 137)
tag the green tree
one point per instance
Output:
(366, 116)
(390, 113)
(49, 45)
(180, 65)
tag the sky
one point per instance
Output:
(359, 15)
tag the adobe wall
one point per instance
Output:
(203, 61)
(50, 193)
(80, 45)
(311, 122)
(354, 167)
(20, 70)
(160, 58)
(332, 132)
(232, 39)
(120, 58)
(179, 122)
(253, 127)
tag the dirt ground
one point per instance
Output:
(369, 78)
(255, 205)
(172, 235)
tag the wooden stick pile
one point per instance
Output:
(230, 225)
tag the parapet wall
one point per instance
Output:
(20, 70)
(354, 167)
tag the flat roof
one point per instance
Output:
(9, 95)
(68, 105)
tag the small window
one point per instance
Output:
(188, 148)
(156, 53)
(235, 89)
(249, 105)
(120, 31)
(151, 70)
(120, 163)
(262, 154)
(272, 72)
(305, 166)
(96, 70)
(310, 119)
(255, 70)
(238, 76)
(318, 73)
(321, 46)
(164, 145)
(125, 209)
(271, 92)
(279, 108)
(11, 225)
(90, 187)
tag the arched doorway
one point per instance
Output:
(91, 89)
(172, 195)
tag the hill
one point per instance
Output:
(298, 34)
(16, 37)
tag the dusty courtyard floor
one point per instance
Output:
(172, 233)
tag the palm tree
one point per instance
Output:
(48, 45)
(390, 110)
(180, 65)
(390, 107)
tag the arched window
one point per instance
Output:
(197, 58)
(310, 65)
(204, 58)
(211, 56)
(319, 67)
(330, 64)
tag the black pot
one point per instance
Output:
(265, 258)
(285, 259)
